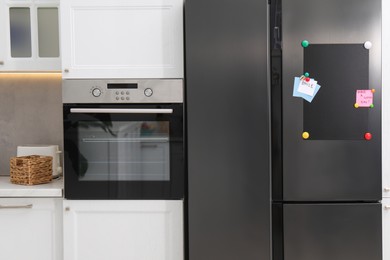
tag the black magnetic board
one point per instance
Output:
(340, 70)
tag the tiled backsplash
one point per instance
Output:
(30, 113)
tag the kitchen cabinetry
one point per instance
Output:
(386, 184)
(31, 228)
(122, 39)
(29, 35)
(386, 228)
(139, 230)
(386, 99)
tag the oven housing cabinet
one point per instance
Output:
(119, 150)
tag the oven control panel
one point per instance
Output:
(122, 91)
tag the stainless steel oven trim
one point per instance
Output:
(122, 110)
(97, 91)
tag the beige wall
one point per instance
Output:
(30, 113)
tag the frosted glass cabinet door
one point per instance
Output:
(30, 229)
(29, 33)
(123, 230)
(122, 38)
(20, 32)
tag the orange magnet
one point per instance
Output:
(305, 135)
(368, 136)
(373, 90)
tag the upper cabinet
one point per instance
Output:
(29, 35)
(122, 38)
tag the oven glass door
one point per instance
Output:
(124, 152)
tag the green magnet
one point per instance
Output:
(307, 74)
(305, 43)
(372, 105)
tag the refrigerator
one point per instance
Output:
(326, 129)
(283, 121)
(228, 200)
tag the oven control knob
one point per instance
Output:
(148, 92)
(96, 92)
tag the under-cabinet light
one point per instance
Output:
(55, 74)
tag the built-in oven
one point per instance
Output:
(123, 139)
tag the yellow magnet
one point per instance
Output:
(305, 135)
(356, 105)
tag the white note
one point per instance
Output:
(307, 87)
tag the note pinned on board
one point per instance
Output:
(305, 89)
(364, 97)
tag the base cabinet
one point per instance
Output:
(386, 228)
(123, 230)
(30, 229)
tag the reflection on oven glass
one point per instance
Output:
(124, 151)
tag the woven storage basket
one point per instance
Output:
(31, 170)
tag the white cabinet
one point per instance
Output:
(29, 35)
(30, 229)
(123, 230)
(122, 38)
(386, 99)
(386, 228)
(386, 184)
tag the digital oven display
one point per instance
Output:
(122, 86)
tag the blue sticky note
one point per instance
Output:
(306, 97)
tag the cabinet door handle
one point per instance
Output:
(387, 207)
(386, 189)
(1, 62)
(28, 206)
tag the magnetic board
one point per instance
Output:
(340, 69)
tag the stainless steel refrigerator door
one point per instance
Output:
(228, 130)
(330, 168)
(332, 231)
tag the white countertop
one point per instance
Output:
(52, 189)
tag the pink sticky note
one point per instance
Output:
(364, 97)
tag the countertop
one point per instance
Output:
(9, 190)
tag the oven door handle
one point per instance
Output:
(122, 110)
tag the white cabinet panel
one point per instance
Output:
(123, 230)
(386, 228)
(122, 38)
(386, 99)
(29, 35)
(30, 229)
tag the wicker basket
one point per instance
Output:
(31, 170)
